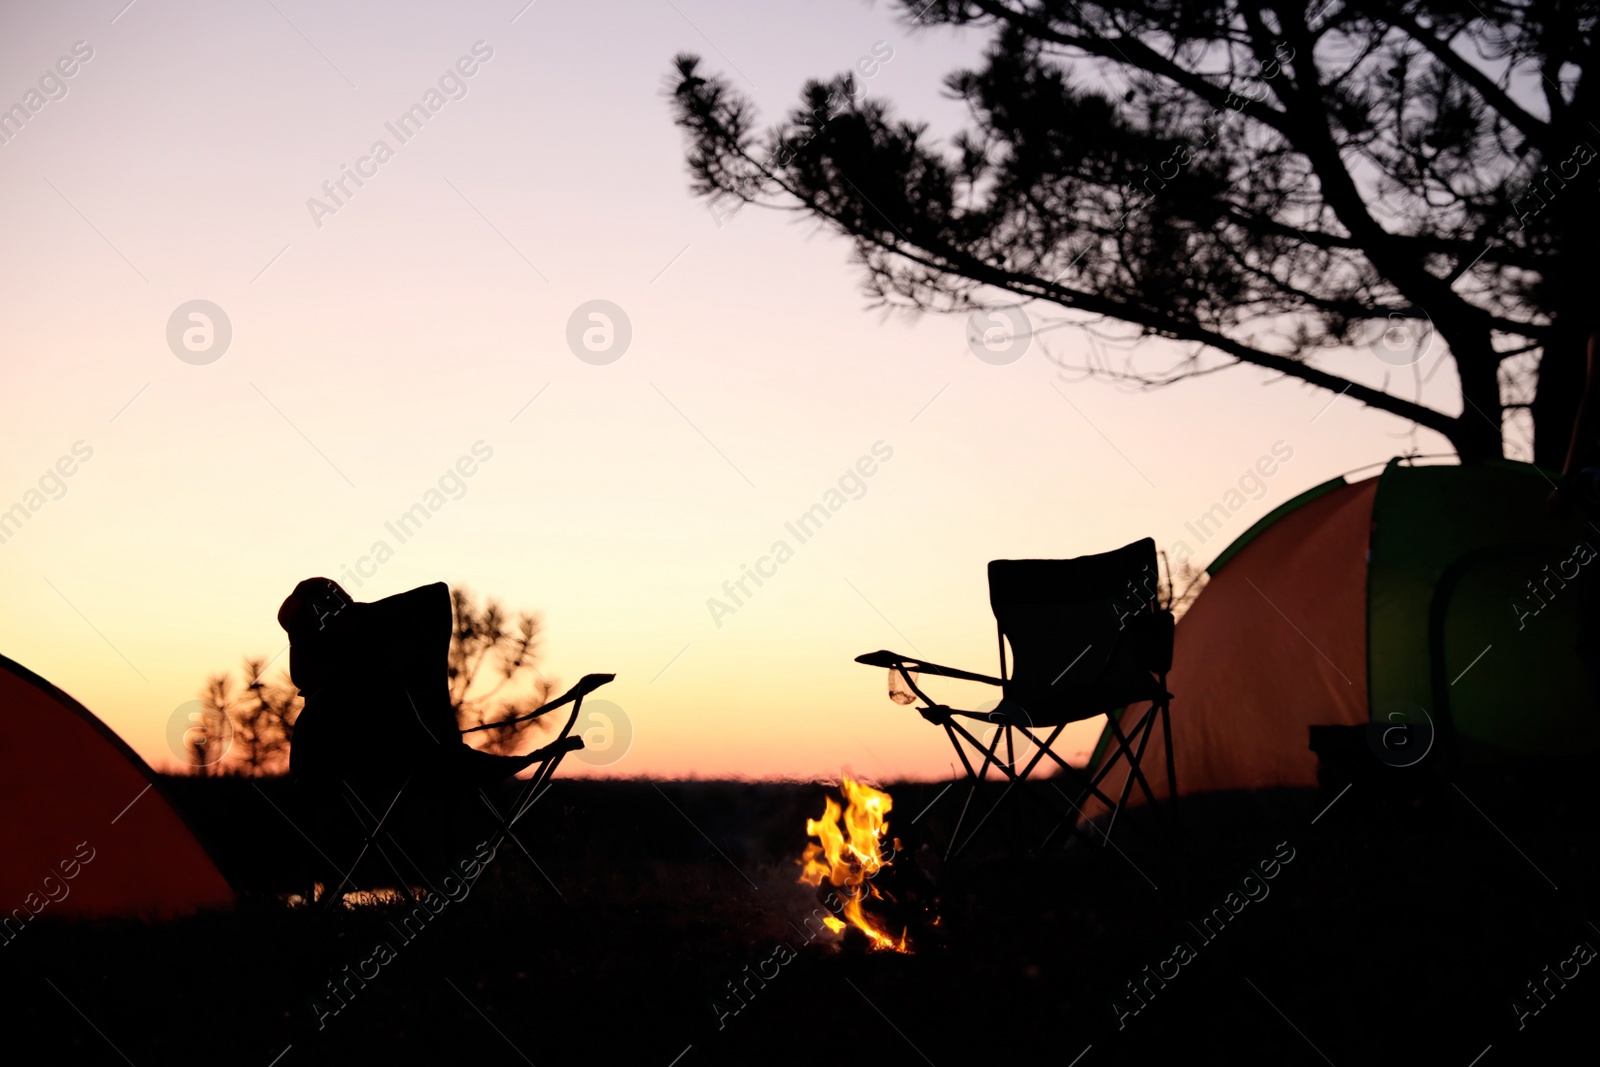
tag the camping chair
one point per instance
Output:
(1087, 637)
(378, 732)
(457, 771)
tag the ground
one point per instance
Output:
(1398, 925)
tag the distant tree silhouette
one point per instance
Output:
(490, 650)
(206, 743)
(1179, 584)
(1276, 184)
(261, 714)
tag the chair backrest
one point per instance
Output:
(410, 634)
(375, 678)
(1087, 635)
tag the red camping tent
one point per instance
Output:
(84, 828)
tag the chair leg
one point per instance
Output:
(368, 838)
(535, 787)
(1046, 748)
(1172, 773)
(1130, 745)
(1135, 772)
(1090, 784)
(974, 778)
(955, 833)
(1042, 746)
(1059, 817)
(1142, 731)
(1015, 778)
(957, 850)
(537, 784)
(505, 831)
(972, 785)
(380, 828)
(950, 732)
(323, 807)
(1070, 821)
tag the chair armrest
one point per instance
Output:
(586, 685)
(892, 660)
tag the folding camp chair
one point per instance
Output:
(452, 776)
(1087, 637)
(378, 734)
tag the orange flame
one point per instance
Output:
(849, 855)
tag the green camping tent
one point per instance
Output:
(1435, 607)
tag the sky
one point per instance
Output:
(382, 343)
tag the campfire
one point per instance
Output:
(873, 896)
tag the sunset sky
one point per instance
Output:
(425, 318)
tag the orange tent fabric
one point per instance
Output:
(84, 828)
(1296, 597)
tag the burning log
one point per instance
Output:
(880, 899)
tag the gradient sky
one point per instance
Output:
(370, 353)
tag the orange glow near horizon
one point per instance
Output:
(771, 479)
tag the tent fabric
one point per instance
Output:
(84, 828)
(1278, 632)
(1271, 517)
(1442, 594)
(1453, 552)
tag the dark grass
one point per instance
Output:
(1400, 932)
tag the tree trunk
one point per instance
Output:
(1568, 285)
(1560, 387)
(1478, 432)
